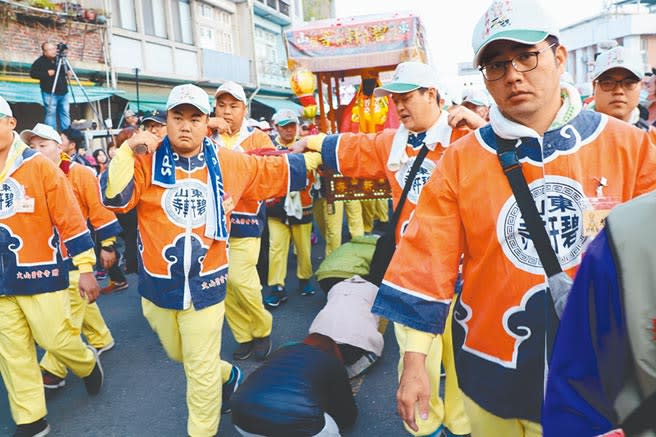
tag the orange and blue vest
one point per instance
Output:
(367, 155)
(249, 217)
(275, 207)
(503, 321)
(87, 192)
(38, 210)
(178, 264)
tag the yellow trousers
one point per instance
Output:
(244, 310)
(44, 318)
(330, 233)
(279, 237)
(330, 225)
(353, 209)
(193, 338)
(85, 318)
(382, 210)
(368, 215)
(375, 209)
(486, 424)
(450, 413)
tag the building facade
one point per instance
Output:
(23, 29)
(628, 23)
(207, 42)
(141, 48)
(271, 19)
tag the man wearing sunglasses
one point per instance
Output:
(504, 320)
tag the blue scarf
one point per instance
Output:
(164, 175)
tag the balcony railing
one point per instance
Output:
(272, 73)
(218, 66)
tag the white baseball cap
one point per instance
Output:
(284, 117)
(476, 96)
(409, 76)
(523, 21)
(40, 130)
(619, 57)
(262, 125)
(189, 94)
(234, 89)
(5, 110)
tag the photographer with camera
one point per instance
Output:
(54, 94)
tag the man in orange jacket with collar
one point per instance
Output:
(36, 199)
(390, 154)
(249, 321)
(85, 316)
(185, 189)
(505, 319)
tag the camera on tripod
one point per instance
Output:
(61, 49)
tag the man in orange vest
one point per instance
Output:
(185, 189)
(504, 320)
(391, 154)
(85, 316)
(36, 199)
(248, 320)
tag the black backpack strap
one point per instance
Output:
(406, 187)
(513, 170)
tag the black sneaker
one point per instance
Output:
(262, 348)
(94, 381)
(229, 387)
(243, 351)
(39, 428)
(362, 365)
(52, 382)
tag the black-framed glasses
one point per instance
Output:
(628, 83)
(523, 62)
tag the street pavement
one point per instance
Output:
(144, 391)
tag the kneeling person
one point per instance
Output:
(302, 390)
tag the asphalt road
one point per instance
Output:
(144, 391)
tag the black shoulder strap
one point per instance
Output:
(406, 187)
(642, 418)
(513, 169)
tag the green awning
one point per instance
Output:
(277, 104)
(17, 92)
(148, 101)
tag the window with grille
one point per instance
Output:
(207, 37)
(154, 18)
(224, 31)
(181, 17)
(206, 11)
(283, 8)
(124, 15)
